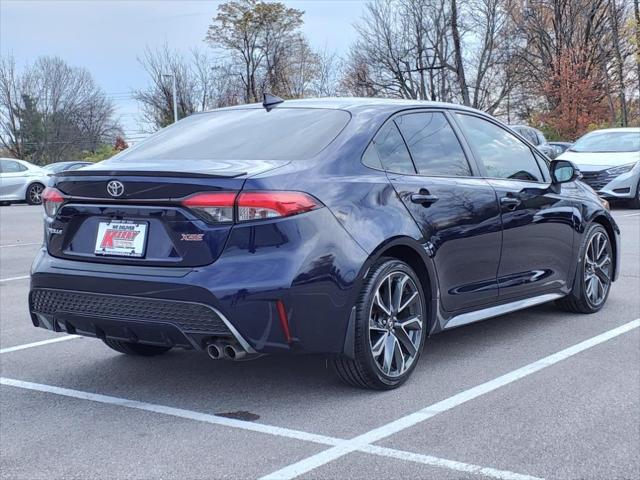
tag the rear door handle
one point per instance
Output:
(510, 202)
(425, 199)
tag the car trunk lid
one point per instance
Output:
(92, 223)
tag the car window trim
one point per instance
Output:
(486, 176)
(476, 172)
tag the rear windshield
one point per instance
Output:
(608, 142)
(243, 134)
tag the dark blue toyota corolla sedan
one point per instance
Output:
(354, 228)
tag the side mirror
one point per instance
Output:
(563, 171)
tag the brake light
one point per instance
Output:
(218, 207)
(52, 200)
(261, 205)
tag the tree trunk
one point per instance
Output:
(624, 119)
(636, 10)
(455, 33)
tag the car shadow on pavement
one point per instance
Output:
(271, 375)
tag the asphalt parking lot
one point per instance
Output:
(535, 394)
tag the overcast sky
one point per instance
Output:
(106, 36)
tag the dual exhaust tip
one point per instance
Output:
(225, 351)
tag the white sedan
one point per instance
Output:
(21, 181)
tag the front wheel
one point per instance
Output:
(594, 272)
(34, 194)
(390, 328)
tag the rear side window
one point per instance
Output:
(503, 154)
(433, 145)
(243, 134)
(391, 150)
(9, 166)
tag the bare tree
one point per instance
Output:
(328, 73)
(10, 106)
(434, 49)
(162, 66)
(52, 111)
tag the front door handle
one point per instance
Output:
(425, 199)
(510, 202)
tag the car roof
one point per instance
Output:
(356, 103)
(617, 130)
(68, 161)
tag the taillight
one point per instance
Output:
(52, 200)
(261, 205)
(215, 207)
(218, 207)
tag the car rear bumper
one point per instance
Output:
(149, 321)
(236, 297)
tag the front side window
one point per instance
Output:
(392, 150)
(503, 154)
(433, 144)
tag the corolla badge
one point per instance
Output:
(115, 188)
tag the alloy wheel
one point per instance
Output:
(396, 324)
(597, 269)
(35, 194)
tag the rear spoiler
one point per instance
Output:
(143, 173)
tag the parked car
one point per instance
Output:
(536, 138)
(64, 166)
(354, 228)
(560, 147)
(609, 160)
(21, 181)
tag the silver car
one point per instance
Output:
(21, 181)
(536, 138)
(609, 160)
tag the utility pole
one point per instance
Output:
(175, 96)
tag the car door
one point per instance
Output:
(537, 217)
(456, 211)
(12, 179)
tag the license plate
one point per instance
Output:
(122, 239)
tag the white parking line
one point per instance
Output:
(38, 344)
(267, 429)
(631, 214)
(377, 434)
(444, 463)
(11, 279)
(20, 244)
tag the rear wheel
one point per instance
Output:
(139, 349)
(34, 194)
(591, 287)
(390, 328)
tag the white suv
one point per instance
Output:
(609, 160)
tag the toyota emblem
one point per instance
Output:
(115, 188)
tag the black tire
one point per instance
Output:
(635, 203)
(34, 194)
(578, 301)
(138, 349)
(364, 371)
